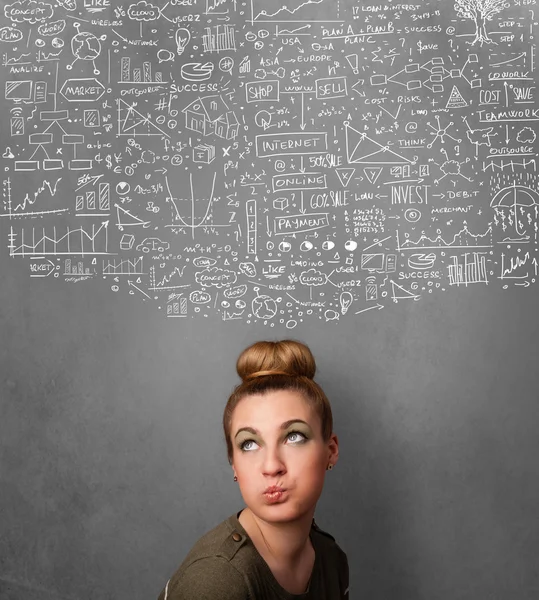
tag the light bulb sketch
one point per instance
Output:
(345, 300)
(183, 36)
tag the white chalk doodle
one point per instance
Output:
(284, 164)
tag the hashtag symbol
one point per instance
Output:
(161, 104)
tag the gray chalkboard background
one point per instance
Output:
(181, 179)
(113, 461)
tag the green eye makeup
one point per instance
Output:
(304, 437)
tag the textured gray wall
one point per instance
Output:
(113, 464)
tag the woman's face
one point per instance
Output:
(294, 457)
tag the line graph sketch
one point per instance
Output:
(21, 208)
(296, 11)
(74, 241)
(462, 239)
(169, 281)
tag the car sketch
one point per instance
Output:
(153, 244)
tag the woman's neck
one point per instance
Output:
(287, 546)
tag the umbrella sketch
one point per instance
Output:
(514, 196)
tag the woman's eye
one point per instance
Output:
(243, 444)
(297, 433)
(290, 434)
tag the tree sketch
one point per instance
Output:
(480, 11)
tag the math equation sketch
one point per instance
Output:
(271, 161)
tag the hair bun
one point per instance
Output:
(286, 357)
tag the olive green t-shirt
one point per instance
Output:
(224, 564)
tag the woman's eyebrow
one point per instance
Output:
(283, 426)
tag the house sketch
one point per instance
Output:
(211, 115)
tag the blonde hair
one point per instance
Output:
(272, 366)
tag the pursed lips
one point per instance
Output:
(274, 488)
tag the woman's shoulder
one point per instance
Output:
(210, 569)
(328, 544)
(326, 537)
(206, 578)
(333, 558)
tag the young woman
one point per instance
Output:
(278, 428)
